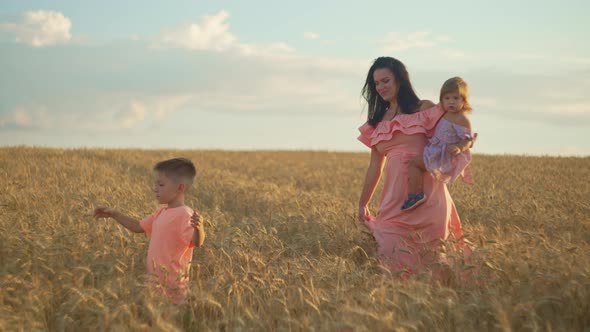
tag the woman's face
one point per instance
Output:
(385, 84)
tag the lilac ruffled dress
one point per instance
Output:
(441, 164)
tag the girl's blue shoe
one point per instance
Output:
(413, 201)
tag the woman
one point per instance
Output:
(397, 128)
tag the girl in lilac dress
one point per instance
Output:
(446, 156)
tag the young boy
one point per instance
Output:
(174, 228)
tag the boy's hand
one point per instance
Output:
(103, 212)
(196, 220)
(453, 150)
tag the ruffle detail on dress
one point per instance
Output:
(464, 133)
(458, 168)
(409, 124)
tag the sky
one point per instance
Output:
(258, 75)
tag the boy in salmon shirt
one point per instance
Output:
(175, 229)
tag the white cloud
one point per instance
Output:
(553, 114)
(577, 60)
(41, 28)
(453, 54)
(22, 118)
(571, 109)
(142, 111)
(212, 33)
(443, 39)
(276, 49)
(486, 102)
(552, 62)
(132, 115)
(548, 57)
(238, 89)
(165, 105)
(309, 93)
(311, 35)
(32, 116)
(108, 112)
(397, 41)
(295, 85)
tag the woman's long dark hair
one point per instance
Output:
(406, 97)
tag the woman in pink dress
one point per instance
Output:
(397, 129)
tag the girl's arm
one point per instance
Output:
(458, 148)
(371, 179)
(466, 143)
(127, 222)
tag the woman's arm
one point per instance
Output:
(425, 104)
(371, 179)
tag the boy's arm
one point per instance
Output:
(127, 222)
(198, 230)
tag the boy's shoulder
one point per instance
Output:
(180, 212)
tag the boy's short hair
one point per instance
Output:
(179, 169)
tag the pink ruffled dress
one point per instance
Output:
(409, 240)
(441, 164)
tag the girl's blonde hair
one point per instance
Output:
(458, 85)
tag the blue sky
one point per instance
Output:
(285, 75)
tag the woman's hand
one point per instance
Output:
(364, 214)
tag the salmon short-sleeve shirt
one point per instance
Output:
(170, 250)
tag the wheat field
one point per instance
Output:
(283, 248)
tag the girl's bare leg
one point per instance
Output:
(416, 173)
(416, 169)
